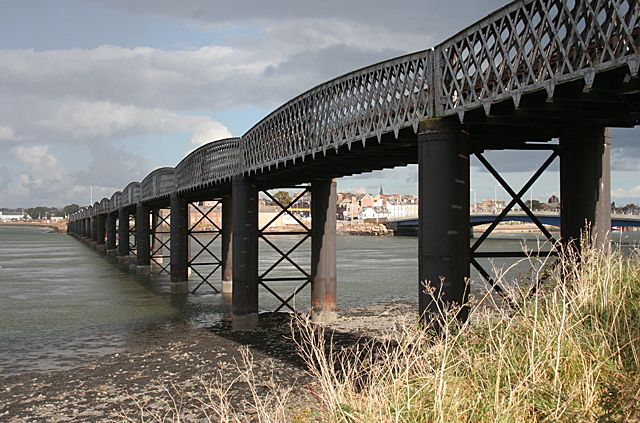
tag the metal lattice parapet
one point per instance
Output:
(158, 184)
(526, 46)
(367, 103)
(533, 45)
(116, 201)
(131, 194)
(214, 162)
(104, 205)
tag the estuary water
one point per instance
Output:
(61, 303)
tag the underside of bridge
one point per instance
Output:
(531, 72)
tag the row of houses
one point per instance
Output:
(379, 207)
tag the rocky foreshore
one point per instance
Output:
(172, 375)
(370, 229)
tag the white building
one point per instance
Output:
(399, 210)
(373, 213)
(10, 217)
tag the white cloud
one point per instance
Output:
(5, 177)
(8, 134)
(44, 168)
(633, 192)
(209, 131)
(104, 120)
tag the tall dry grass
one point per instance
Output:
(569, 352)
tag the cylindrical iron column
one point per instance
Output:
(585, 185)
(179, 250)
(123, 235)
(94, 231)
(443, 210)
(227, 242)
(323, 250)
(100, 233)
(111, 233)
(143, 257)
(245, 254)
(86, 233)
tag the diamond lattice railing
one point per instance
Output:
(534, 45)
(367, 103)
(525, 46)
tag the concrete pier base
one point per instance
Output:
(112, 253)
(123, 260)
(101, 248)
(227, 287)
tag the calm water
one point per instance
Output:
(61, 303)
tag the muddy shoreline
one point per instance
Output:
(180, 364)
(57, 227)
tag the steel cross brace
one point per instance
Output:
(117, 220)
(305, 277)
(204, 248)
(156, 241)
(132, 235)
(516, 198)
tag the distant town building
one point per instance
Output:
(11, 216)
(373, 213)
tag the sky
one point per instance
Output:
(95, 94)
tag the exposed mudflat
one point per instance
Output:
(176, 371)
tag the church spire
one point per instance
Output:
(381, 193)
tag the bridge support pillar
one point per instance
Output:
(111, 234)
(323, 250)
(443, 227)
(585, 185)
(143, 254)
(179, 260)
(123, 235)
(100, 234)
(245, 254)
(93, 228)
(227, 244)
